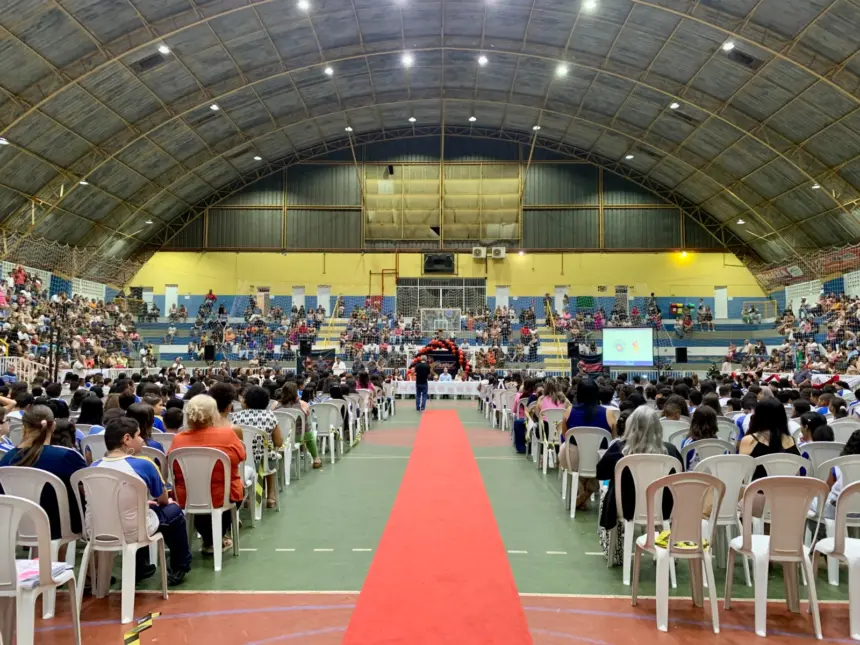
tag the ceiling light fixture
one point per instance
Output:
(412, 119)
(482, 60)
(4, 141)
(164, 49)
(214, 107)
(535, 128)
(329, 71)
(815, 186)
(561, 70)
(304, 5)
(683, 254)
(84, 182)
(728, 46)
(407, 60)
(589, 5)
(674, 105)
(522, 252)
(348, 128)
(258, 158)
(149, 221)
(628, 157)
(741, 222)
(472, 119)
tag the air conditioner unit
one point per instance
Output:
(498, 252)
(479, 252)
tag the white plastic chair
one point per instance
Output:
(735, 471)
(13, 512)
(343, 408)
(588, 442)
(727, 430)
(844, 428)
(197, 466)
(95, 443)
(165, 439)
(550, 435)
(849, 467)
(83, 427)
(28, 483)
(497, 409)
(644, 470)
(297, 423)
(390, 390)
(818, 452)
(16, 429)
(690, 493)
(366, 405)
(704, 448)
(248, 434)
(158, 458)
(671, 426)
(677, 437)
(327, 423)
(354, 411)
(842, 548)
(287, 424)
(103, 490)
(781, 464)
(789, 498)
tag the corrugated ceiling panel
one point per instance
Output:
(561, 229)
(268, 191)
(329, 229)
(696, 237)
(191, 237)
(622, 192)
(244, 229)
(321, 185)
(548, 184)
(652, 228)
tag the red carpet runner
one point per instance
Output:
(441, 573)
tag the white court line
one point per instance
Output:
(323, 550)
(518, 552)
(362, 550)
(285, 550)
(594, 553)
(556, 552)
(249, 550)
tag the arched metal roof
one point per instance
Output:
(748, 109)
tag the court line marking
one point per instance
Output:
(323, 550)
(594, 553)
(333, 592)
(518, 552)
(249, 550)
(362, 550)
(556, 552)
(285, 550)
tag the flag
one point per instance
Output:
(591, 364)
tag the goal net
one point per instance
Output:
(440, 319)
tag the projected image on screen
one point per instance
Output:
(628, 347)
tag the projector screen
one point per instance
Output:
(628, 347)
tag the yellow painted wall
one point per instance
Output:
(666, 274)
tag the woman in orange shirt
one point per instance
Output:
(203, 430)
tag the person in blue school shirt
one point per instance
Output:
(124, 441)
(36, 451)
(143, 414)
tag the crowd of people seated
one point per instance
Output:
(88, 332)
(203, 409)
(768, 417)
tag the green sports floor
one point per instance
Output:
(303, 567)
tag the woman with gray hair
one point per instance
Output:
(643, 435)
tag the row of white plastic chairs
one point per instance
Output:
(715, 457)
(23, 486)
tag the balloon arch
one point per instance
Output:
(448, 345)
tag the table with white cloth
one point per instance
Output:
(452, 388)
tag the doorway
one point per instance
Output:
(721, 303)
